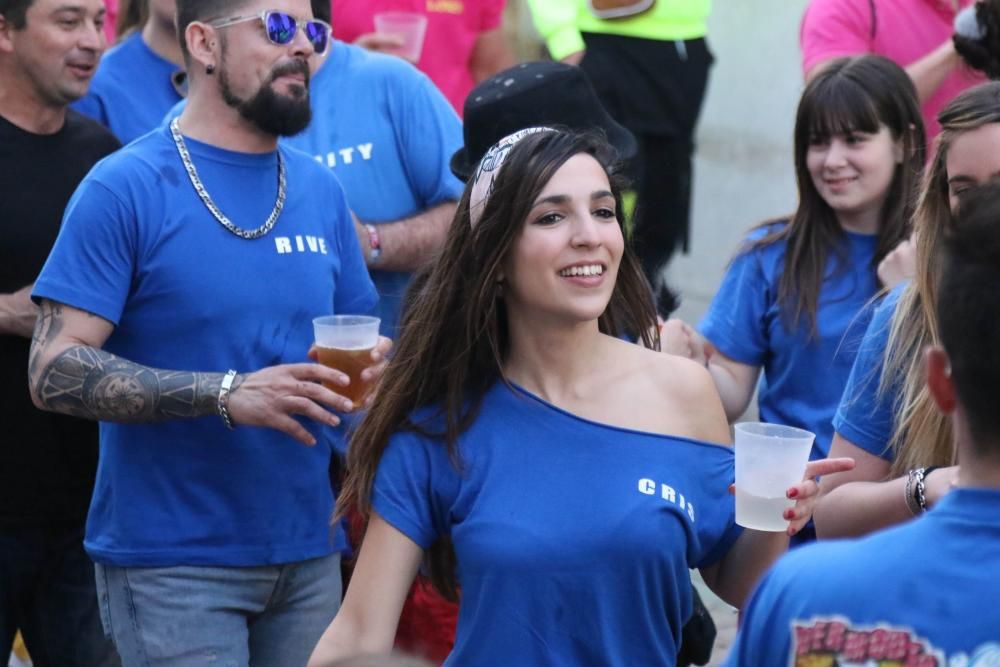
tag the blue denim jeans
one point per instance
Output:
(220, 616)
(47, 590)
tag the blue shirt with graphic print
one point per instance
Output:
(922, 594)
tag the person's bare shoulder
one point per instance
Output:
(682, 389)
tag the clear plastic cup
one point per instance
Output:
(769, 459)
(409, 27)
(345, 343)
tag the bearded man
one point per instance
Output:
(175, 309)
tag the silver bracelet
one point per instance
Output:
(223, 402)
(919, 490)
(909, 493)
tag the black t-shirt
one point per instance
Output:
(47, 461)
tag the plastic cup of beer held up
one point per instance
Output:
(409, 27)
(770, 458)
(345, 343)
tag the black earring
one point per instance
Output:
(209, 69)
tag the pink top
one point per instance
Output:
(110, 18)
(452, 29)
(905, 31)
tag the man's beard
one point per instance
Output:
(280, 115)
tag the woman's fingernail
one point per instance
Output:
(789, 514)
(793, 492)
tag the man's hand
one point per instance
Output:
(371, 374)
(18, 313)
(269, 397)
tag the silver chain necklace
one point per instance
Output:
(251, 234)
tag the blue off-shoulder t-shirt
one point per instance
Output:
(573, 538)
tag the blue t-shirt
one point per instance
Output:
(140, 249)
(921, 594)
(803, 376)
(865, 416)
(388, 134)
(131, 91)
(574, 539)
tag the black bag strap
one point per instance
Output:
(871, 6)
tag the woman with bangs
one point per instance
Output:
(887, 420)
(569, 479)
(792, 302)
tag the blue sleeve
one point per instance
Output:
(865, 415)
(430, 133)
(735, 322)
(764, 636)
(92, 106)
(91, 264)
(414, 488)
(355, 293)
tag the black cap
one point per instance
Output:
(530, 94)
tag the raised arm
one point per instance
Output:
(366, 622)
(929, 72)
(69, 373)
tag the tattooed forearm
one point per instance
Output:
(95, 384)
(47, 327)
(69, 373)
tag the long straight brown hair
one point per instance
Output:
(454, 339)
(922, 434)
(859, 94)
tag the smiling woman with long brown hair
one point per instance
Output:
(792, 305)
(567, 478)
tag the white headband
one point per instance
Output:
(489, 167)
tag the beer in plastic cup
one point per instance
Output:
(769, 459)
(409, 27)
(345, 342)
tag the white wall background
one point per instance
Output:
(743, 169)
